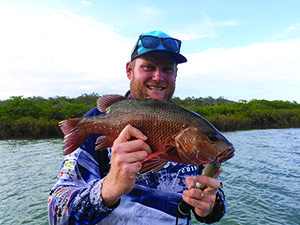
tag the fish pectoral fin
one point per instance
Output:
(103, 142)
(155, 154)
(153, 162)
(152, 165)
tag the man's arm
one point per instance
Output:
(73, 205)
(74, 198)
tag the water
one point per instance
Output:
(261, 183)
(28, 170)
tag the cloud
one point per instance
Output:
(86, 2)
(55, 49)
(243, 72)
(286, 32)
(47, 52)
(274, 60)
(202, 28)
(150, 11)
(227, 23)
(195, 30)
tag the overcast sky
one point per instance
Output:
(235, 49)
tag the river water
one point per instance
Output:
(261, 182)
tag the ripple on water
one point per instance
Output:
(28, 171)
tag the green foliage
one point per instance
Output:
(255, 114)
(208, 101)
(29, 127)
(38, 117)
(73, 110)
(19, 107)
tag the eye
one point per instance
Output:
(168, 70)
(148, 67)
(213, 136)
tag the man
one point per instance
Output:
(106, 187)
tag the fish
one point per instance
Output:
(173, 133)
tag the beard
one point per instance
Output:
(139, 89)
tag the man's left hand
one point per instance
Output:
(203, 201)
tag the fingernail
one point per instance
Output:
(197, 185)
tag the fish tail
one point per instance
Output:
(74, 135)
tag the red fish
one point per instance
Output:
(173, 133)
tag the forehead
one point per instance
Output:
(157, 58)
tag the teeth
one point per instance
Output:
(156, 88)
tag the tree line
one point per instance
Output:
(38, 117)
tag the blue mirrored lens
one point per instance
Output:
(150, 42)
(171, 44)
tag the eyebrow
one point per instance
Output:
(165, 64)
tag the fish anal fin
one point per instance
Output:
(105, 101)
(152, 165)
(103, 142)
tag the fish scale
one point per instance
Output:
(153, 121)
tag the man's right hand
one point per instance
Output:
(128, 151)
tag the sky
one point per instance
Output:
(237, 50)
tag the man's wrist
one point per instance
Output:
(110, 199)
(217, 212)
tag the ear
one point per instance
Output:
(129, 70)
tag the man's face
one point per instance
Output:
(153, 76)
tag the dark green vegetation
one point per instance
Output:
(38, 117)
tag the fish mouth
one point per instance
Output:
(225, 155)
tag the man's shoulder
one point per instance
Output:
(93, 112)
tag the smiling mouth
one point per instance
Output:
(155, 88)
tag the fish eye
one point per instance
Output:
(212, 136)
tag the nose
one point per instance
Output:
(157, 76)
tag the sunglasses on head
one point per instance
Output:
(152, 42)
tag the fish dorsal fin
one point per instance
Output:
(107, 100)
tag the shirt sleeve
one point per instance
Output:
(76, 196)
(74, 199)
